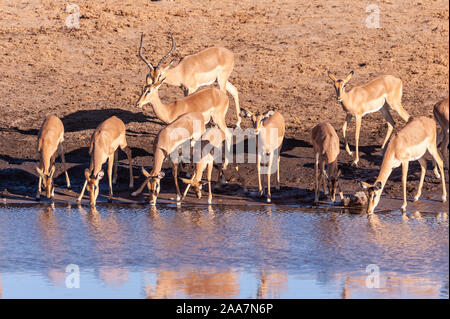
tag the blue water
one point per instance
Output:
(220, 252)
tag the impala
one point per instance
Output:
(50, 137)
(212, 102)
(105, 140)
(213, 138)
(440, 111)
(203, 68)
(409, 144)
(186, 128)
(269, 128)
(326, 149)
(381, 94)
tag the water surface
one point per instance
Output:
(220, 252)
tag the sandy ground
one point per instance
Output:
(282, 49)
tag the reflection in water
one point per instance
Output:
(222, 252)
(194, 283)
(108, 244)
(271, 284)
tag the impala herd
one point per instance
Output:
(192, 113)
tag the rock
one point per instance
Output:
(357, 200)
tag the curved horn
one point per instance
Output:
(150, 66)
(168, 53)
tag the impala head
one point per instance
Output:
(92, 185)
(155, 76)
(257, 118)
(373, 194)
(196, 186)
(47, 180)
(153, 184)
(333, 184)
(339, 85)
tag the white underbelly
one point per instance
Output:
(375, 105)
(418, 151)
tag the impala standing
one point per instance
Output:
(409, 144)
(326, 149)
(440, 111)
(203, 68)
(108, 136)
(186, 128)
(50, 137)
(212, 102)
(269, 128)
(382, 94)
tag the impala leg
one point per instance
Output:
(341, 194)
(278, 172)
(38, 195)
(210, 168)
(423, 169)
(234, 92)
(432, 148)
(82, 192)
(390, 122)
(344, 133)
(404, 180)
(127, 151)
(116, 156)
(269, 172)
(324, 183)
(52, 163)
(110, 171)
(140, 189)
(63, 159)
(175, 178)
(397, 106)
(358, 129)
(316, 185)
(258, 170)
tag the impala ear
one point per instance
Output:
(246, 113)
(144, 172)
(331, 76)
(100, 175)
(40, 172)
(52, 171)
(348, 77)
(87, 174)
(365, 185)
(161, 175)
(186, 180)
(268, 114)
(149, 79)
(165, 68)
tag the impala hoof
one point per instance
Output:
(38, 198)
(355, 164)
(134, 194)
(269, 200)
(69, 188)
(109, 200)
(416, 198)
(209, 201)
(444, 199)
(178, 198)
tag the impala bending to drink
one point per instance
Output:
(50, 137)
